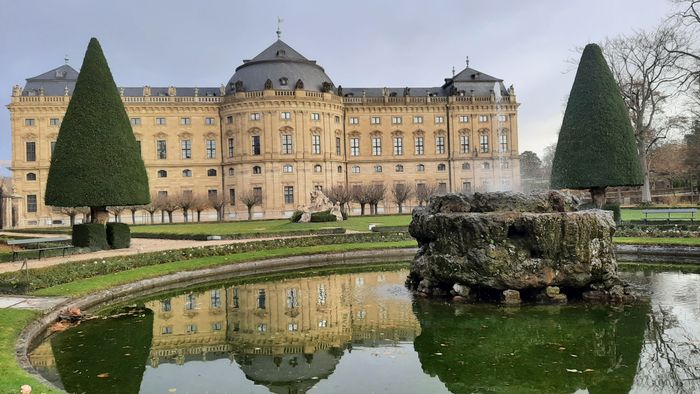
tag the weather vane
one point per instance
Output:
(467, 61)
(66, 59)
(279, 30)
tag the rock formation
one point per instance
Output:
(512, 246)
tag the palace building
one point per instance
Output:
(281, 128)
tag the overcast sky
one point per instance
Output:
(359, 43)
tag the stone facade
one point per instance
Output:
(284, 138)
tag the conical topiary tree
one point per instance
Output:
(596, 146)
(96, 161)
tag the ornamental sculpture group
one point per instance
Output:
(514, 247)
(320, 203)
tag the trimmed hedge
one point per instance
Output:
(296, 216)
(203, 237)
(324, 216)
(18, 283)
(118, 235)
(90, 235)
(390, 229)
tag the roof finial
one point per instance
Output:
(453, 71)
(467, 61)
(279, 30)
(65, 58)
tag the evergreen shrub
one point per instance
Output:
(90, 235)
(296, 216)
(324, 216)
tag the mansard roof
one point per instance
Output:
(53, 82)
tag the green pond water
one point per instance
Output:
(364, 332)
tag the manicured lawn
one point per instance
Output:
(11, 375)
(356, 223)
(658, 241)
(636, 214)
(85, 286)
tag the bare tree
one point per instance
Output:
(199, 205)
(116, 211)
(71, 212)
(134, 209)
(688, 19)
(250, 199)
(361, 195)
(341, 195)
(167, 204)
(377, 192)
(152, 207)
(218, 202)
(401, 193)
(424, 191)
(647, 75)
(185, 201)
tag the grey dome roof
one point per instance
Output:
(277, 62)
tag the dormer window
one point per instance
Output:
(60, 74)
(281, 53)
(284, 81)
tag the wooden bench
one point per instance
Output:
(669, 212)
(17, 243)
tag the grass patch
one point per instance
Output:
(12, 321)
(657, 241)
(88, 285)
(631, 266)
(636, 214)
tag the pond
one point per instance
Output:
(365, 332)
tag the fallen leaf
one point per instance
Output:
(588, 370)
(573, 355)
(571, 370)
(562, 348)
(103, 375)
(438, 354)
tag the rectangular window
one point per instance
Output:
(354, 146)
(166, 330)
(338, 146)
(315, 116)
(191, 328)
(398, 146)
(316, 144)
(229, 119)
(285, 115)
(160, 121)
(442, 188)
(211, 149)
(439, 119)
(289, 194)
(212, 194)
(484, 143)
(53, 147)
(31, 150)
(216, 298)
(257, 192)
(256, 144)
(232, 196)
(54, 122)
(375, 120)
(255, 116)
(354, 120)
(337, 119)
(261, 299)
(503, 143)
(162, 149)
(355, 169)
(166, 305)
(186, 148)
(286, 144)
(418, 119)
(376, 146)
(502, 118)
(420, 146)
(463, 118)
(466, 187)
(439, 145)
(209, 121)
(136, 121)
(31, 203)
(185, 121)
(396, 120)
(483, 118)
(464, 143)
(231, 147)
(29, 122)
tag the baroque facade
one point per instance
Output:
(281, 128)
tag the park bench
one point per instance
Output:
(668, 213)
(43, 244)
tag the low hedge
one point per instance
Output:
(118, 235)
(90, 235)
(390, 229)
(325, 216)
(203, 237)
(18, 282)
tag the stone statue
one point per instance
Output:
(172, 91)
(268, 84)
(340, 90)
(121, 92)
(406, 91)
(239, 86)
(385, 91)
(196, 92)
(146, 91)
(299, 85)
(319, 203)
(326, 87)
(222, 90)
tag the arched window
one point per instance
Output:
(486, 165)
(355, 169)
(31, 176)
(211, 172)
(231, 171)
(163, 174)
(257, 170)
(465, 166)
(377, 168)
(340, 169)
(287, 168)
(399, 168)
(420, 167)
(441, 167)
(187, 173)
(318, 168)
